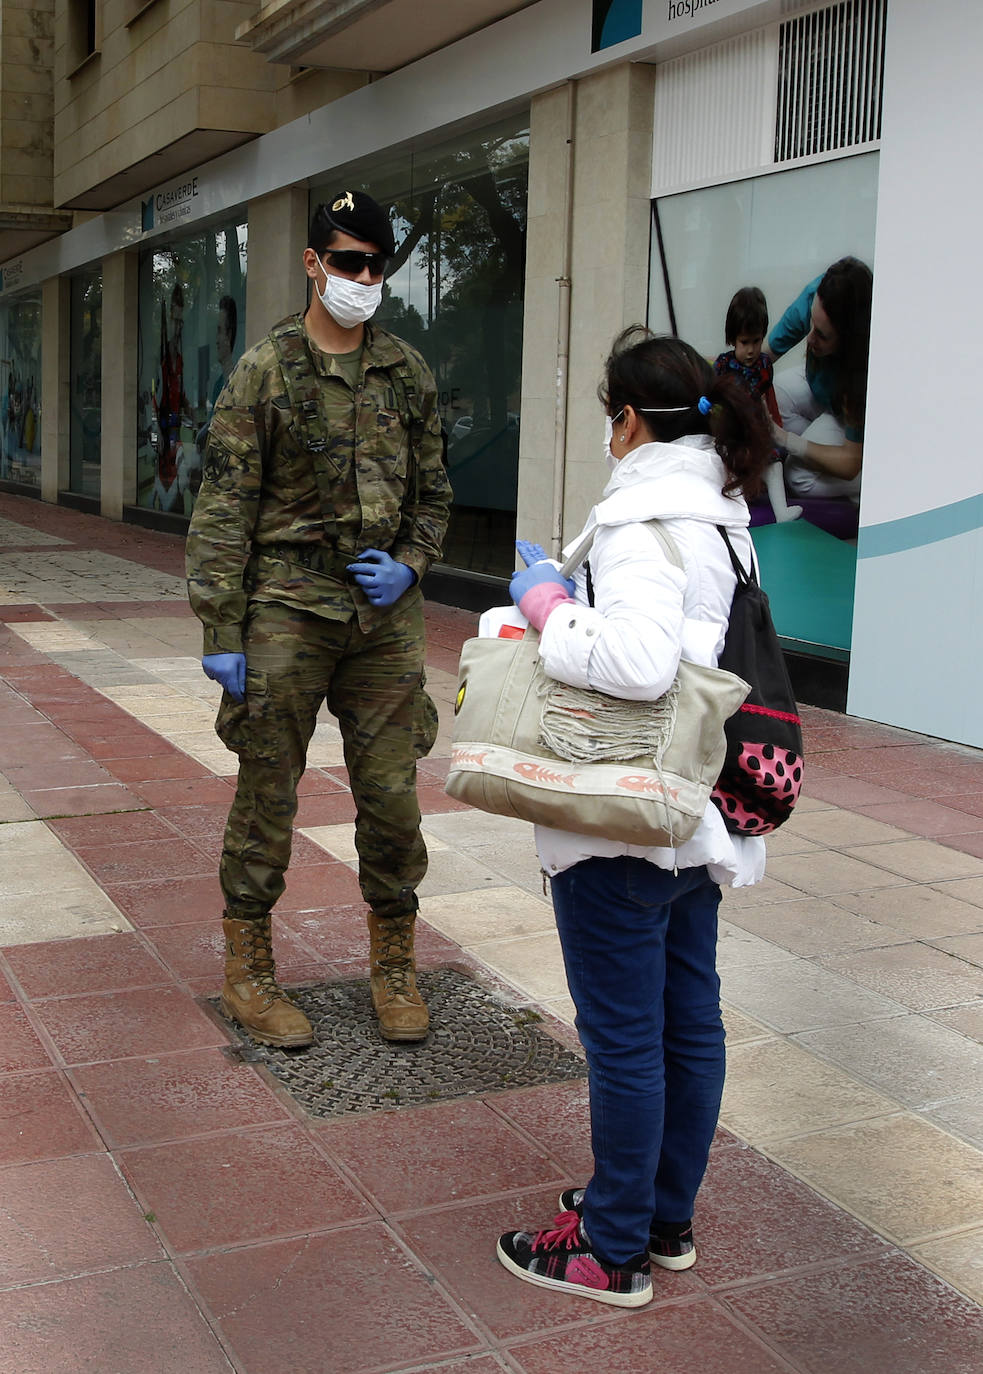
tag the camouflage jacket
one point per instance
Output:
(291, 492)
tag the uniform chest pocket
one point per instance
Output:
(388, 441)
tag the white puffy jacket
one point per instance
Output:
(647, 615)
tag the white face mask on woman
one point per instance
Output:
(609, 458)
(349, 303)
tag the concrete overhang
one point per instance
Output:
(192, 150)
(23, 227)
(366, 35)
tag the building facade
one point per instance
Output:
(555, 171)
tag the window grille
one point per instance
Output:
(830, 79)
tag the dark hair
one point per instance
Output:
(746, 314)
(322, 233)
(845, 293)
(231, 318)
(647, 370)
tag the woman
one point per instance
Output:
(822, 408)
(638, 926)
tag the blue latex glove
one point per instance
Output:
(530, 553)
(381, 578)
(229, 670)
(533, 576)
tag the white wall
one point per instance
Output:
(917, 656)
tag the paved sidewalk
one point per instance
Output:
(166, 1209)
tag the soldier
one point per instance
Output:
(323, 502)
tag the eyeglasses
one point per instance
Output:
(353, 262)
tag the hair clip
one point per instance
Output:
(704, 406)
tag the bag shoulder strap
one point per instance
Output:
(745, 577)
(584, 547)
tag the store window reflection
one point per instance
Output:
(805, 239)
(454, 290)
(192, 318)
(20, 390)
(85, 410)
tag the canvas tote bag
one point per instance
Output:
(572, 758)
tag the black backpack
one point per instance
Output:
(762, 773)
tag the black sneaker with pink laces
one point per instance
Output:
(561, 1257)
(671, 1245)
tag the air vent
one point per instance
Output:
(830, 79)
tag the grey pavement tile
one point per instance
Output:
(911, 1058)
(450, 871)
(827, 872)
(518, 865)
(796, 995)
(967, 1019)
(836, 828)
(922, 911)
(768, 890)
(467, 828)
(813, 925)
(957, 1258)
(968, 947)
(914, 974)
(922, 861)
(961, 1115)
(964, 889)
(736, 948)
(902, 1175)
(776, 1089)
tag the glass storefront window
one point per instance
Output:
(85, 440)
(454, 291)
(20, 389)
(780, 233)
(192, 322)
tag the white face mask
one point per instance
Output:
(349, 303)
(609, 457)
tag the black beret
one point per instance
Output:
(355, 213)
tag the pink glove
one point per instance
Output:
(538, 603)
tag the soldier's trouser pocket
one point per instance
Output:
(245, 727)
(425, 720)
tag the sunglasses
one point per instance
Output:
(354, 262)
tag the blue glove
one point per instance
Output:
(229, 670)
(381, 578)
(523, 581)
(530, 553)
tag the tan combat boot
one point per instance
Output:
(251, 994)
(401, 1010)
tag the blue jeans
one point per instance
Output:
(639, 945)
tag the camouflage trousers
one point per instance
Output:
(373, 682)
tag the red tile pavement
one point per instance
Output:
(40, 1118)
(141, 1320)
(343, 1300)
(170, 1097)
(132, 1022)
(84, 832)
(143, 861)
(98, 799)
(196, 950)
(45, 1234)
(220, 1190)
(180, 790)
(257, 1238)
(456, 1149)
(888, 1315)
(12, 615)
(102, 963)
(168, 900)
(700, 1335)
(161, 765)
(20, 1047)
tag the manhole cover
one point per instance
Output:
(476, 1044)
